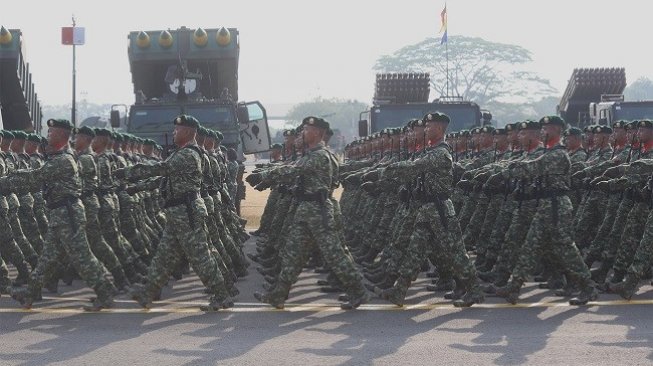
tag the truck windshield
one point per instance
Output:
(217, 118)
(153, 120)
(462, 115)
(631, 112)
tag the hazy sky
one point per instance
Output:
(292, 51)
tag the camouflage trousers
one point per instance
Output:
(441, 236)
(473, 229)
(514, 238)
(28, 222)
(99, 246)
(590, 218)
(611, 246)
(549, 235)
(314, 227)
(66, 239)
(180, 240)
(631, 237)
(492, 214)
(269, 210)
(8, 246)
(601, 239)
(643, 258)
(111, 233)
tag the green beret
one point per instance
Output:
(500, 131)
(632, 125)
(529, 125)
(464, 133)
(417, 123)
(602, 129)
(60, 123)
(32, 137)
(573, 131)
(85, 130)
(315, 122)
(645, 123)
(487, 129)
(102, 132)
(475, 131)
(589, 129)
(509, 127)
(219, 136)
(299, 129)
(291, 132)
(276, 146)
(619, 124)
(149, 142)
(117, 136)
(553, 120)
(8, 135)
(203, 131)
(187, 120)
(329, 132)
(436, 117)
(20, 135)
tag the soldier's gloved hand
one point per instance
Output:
(263, 186)
(120, 173)
(254, 179)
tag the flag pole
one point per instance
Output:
(73, 117)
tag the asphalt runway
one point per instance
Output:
(312, 330)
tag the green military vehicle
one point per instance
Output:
(400, 97)
(19, 102)
(191, 71)
(595, 96)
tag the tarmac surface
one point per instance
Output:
(541, 329)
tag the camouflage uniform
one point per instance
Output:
(66, 235)
(184, 234)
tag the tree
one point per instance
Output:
(479, 70)
(641, 89)
(341, 114)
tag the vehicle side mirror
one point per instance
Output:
(242, 114)
(115, 118)
(362, 128)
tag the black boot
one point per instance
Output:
(589, 293)
(510, 292)
(105, 292)
(626, 288)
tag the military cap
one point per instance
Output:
(487, 129)
(395, 131)
(475, 131)
(464, 133)
(19, 135)
(553, 121)
(60, 123)
(632, 125)
(436, 117)
(602, 129)
(103, 132)
(529, 125)
(645, 123)
(454, 135)
(573, 131)
(619, 124)
(117, 136)
(85, 130)
(276, 146)
(500, 131)
(589, 129)
(329, 132)
(32, 137)
(186, 120)
(315, 122)
(8, 135)
(418, 123)
(202, 131)
(223, 149)
(219, 136)
(290, 132)
(149, 142)
(509, 127)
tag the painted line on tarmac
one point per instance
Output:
(192, 307)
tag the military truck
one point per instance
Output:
(19, 104)
(399, 97)
(595, 96)
(193, 72)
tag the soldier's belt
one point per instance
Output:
(182, 199)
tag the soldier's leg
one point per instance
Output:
(630, 239)
(591, 218)
(473, 229)
(30, 226)
(28, 251)
(600, 240)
